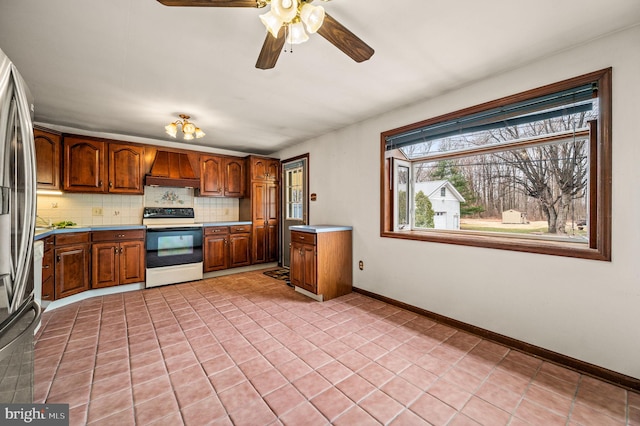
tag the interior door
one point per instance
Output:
(295, 199)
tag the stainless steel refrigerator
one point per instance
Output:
(19, 312)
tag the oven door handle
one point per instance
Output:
(175, 228)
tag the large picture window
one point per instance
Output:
(530, 172)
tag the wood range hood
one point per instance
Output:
(172, 169)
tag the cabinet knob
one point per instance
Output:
(45, 266)
(121, 250)
(110, 184)
(99, 183)
(115, 250)
(58, 258)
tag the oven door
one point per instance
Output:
(173, 246)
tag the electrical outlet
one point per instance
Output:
(361, 265)
(96, 211)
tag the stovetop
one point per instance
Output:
(168, 213)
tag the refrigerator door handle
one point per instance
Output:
(8, 348)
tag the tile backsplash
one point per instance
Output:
(127, 209)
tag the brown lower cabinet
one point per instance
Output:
(71, 254)
(226, 247)
(321, 262)
(117, 257)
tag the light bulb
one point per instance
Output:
(286, 10)
(188, 136)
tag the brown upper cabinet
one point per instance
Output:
(222, 176)
(265, 169)
(97, 166)
(47, 159)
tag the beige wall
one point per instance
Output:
(588, 310)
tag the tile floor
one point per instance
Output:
(246, 349)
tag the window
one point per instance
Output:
(530, 172)
(294, 191)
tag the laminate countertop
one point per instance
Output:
(315, 229)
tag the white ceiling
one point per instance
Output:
(129, 67)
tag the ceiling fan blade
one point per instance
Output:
(210, 3)
(344, 39)
(271, 49)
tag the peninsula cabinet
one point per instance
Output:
(321, 260)
(92, 165)
(117, 257)
(71, 255)
(47, 146)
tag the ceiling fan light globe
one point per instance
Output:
(297, 34)
(171, 129)
(286, 10)
(272, 22)
(312, 16)
(199, 133)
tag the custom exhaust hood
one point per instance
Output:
(172, 169)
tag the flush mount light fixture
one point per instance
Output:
(189, 130)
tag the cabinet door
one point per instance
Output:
(215, 253)
(309, 275)
(105, 264)
(131, 262)
(259, 242)
(47, 159)
(273, 170)
(271, 210)
(83, 165)
(239, 250)
(211, 176)
(271, 241)
(126, 169)
(234, 175)
(72, 270)
(296, 269)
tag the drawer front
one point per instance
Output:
(72, 238)
(214, 230)
(117, 235)
(303, 237)
(49, 242)
(240, 229)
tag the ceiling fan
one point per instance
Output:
(286, 22)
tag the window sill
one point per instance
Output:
(554, 248)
